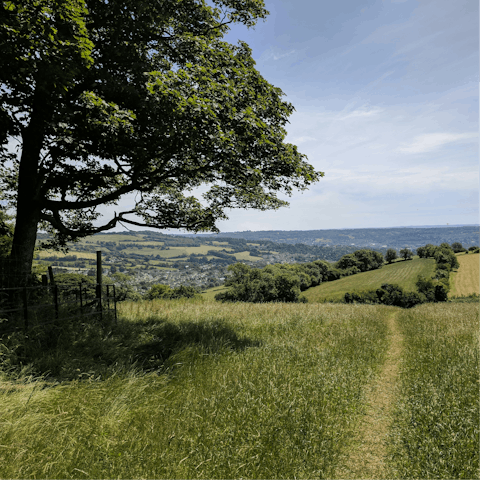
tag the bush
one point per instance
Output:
(387, 294)
(433, 290)
(159, 291)
(457, 247)
(367, 296)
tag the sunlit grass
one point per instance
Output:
(466, 280)
(252, 391)
(436, 431)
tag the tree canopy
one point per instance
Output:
(111, 97)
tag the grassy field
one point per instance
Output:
(49, 253)
(255, 391)
(192, 389)
(466, 281)
(436, 430)
(403, 273)
(210, 293)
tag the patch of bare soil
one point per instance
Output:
(367, 457)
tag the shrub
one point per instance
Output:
(387, 294)
(457, 247)
(367, 296)
(159, 291)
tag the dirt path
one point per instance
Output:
(366, 459)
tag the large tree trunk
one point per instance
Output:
(21, 256)
(28, 199)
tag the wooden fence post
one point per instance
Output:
(50, 274)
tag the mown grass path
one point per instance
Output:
(367, 456)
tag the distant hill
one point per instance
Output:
(376, 238)
(154, 257)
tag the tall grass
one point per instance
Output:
(201, 390)
(436, 430)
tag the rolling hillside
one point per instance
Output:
(403, 273)
(466, 281)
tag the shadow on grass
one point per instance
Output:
(88, 350)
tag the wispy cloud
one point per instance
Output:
(434, 141)
(276, 54)
(361, 113)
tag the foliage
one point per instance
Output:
(457, 247)
(445, 256)
(391, 255)
(434, 290)
(387, 294)
(363, 260)
(271, 284)
(6, 233)
(113, 98)
(160, 291)
(123, 288)
(406, 253)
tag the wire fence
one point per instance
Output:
(25, 304)
(22, 308)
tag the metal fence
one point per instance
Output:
(22, 308)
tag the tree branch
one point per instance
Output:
(56, 205)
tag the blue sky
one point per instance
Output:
(386, 99)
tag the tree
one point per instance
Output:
(406, 254)
(391, 255)
(445, 256)
(273, 283)
(6, 233)
(362, 260)
(457, 247)
(111, 98)
(348, 261)
(159, 291)
(368, 259)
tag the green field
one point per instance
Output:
(210, 293)
(191, 389)
(466, 281)
(403, 273)
(436, 428)
(50, 253)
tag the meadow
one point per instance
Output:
(435, 433)
(466, 281)
(193, 389)
(403, 273)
